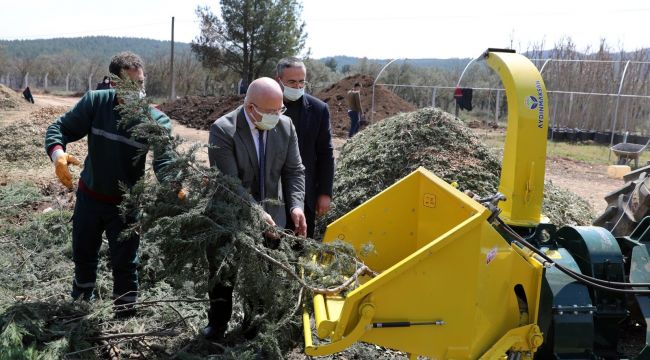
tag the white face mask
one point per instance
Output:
(134, 95)
(292, 94)
(268, 121)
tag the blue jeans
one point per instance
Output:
(91, 218)
(354, 122)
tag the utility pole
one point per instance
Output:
(172, 95)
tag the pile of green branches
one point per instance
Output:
(389, 150)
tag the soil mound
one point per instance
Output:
(200, 112)
(10, 99)
(386, 103)
(25, 138)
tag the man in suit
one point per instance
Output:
(311, 118)
(258, 145)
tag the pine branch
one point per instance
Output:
(154, 333)
(363, 270)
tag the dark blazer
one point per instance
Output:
(316, 150)
(232, 151)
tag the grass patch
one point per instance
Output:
(588, 153)
(17, 195)
(17, 201)
(584, 152)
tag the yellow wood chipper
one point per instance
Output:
(467, 278)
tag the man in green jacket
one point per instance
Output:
(112, 160)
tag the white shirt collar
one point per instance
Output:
(255, 133)
(254, 129)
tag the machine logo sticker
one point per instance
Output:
(531, 102)
(537, 103)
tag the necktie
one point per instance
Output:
(262, 163)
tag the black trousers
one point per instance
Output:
(91, 218)
(220, 292)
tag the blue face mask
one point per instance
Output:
(268, 121)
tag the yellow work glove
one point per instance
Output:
(181, 192)
(61, 168)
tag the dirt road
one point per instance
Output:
(52, 100)
(590, 182)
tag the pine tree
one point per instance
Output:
(250, 35)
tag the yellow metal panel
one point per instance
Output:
(524, 155)
(439, 261)
(468, 285)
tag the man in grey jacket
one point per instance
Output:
(258, 145)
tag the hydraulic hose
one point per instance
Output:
(584, 279)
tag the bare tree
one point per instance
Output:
(24, 65)
(89, 69)
(46, 66)
(68, 62)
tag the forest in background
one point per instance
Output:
(74, 65)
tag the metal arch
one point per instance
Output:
(372, 106)
(464, 70)
(618, 98)
(544, 65)
(593, 60)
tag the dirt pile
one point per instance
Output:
(22, 151)
(386, 103)
(200, 112)
(10, 99)
(391, 149)
(23, 140)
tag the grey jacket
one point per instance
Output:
(232, 151)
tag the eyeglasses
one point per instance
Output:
(293, 83)
(280, 111)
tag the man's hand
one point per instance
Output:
(323, 204)
(271, 234)
(61, 162)
(299, 221)
(268, 219)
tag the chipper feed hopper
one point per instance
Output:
(467, 278)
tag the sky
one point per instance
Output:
(371, 28)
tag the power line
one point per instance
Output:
(501, 89)
(594, 61)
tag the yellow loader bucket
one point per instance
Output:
(450, 287)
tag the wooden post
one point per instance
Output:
(172, 95)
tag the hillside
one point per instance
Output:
(99, 46)
(446, 64)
